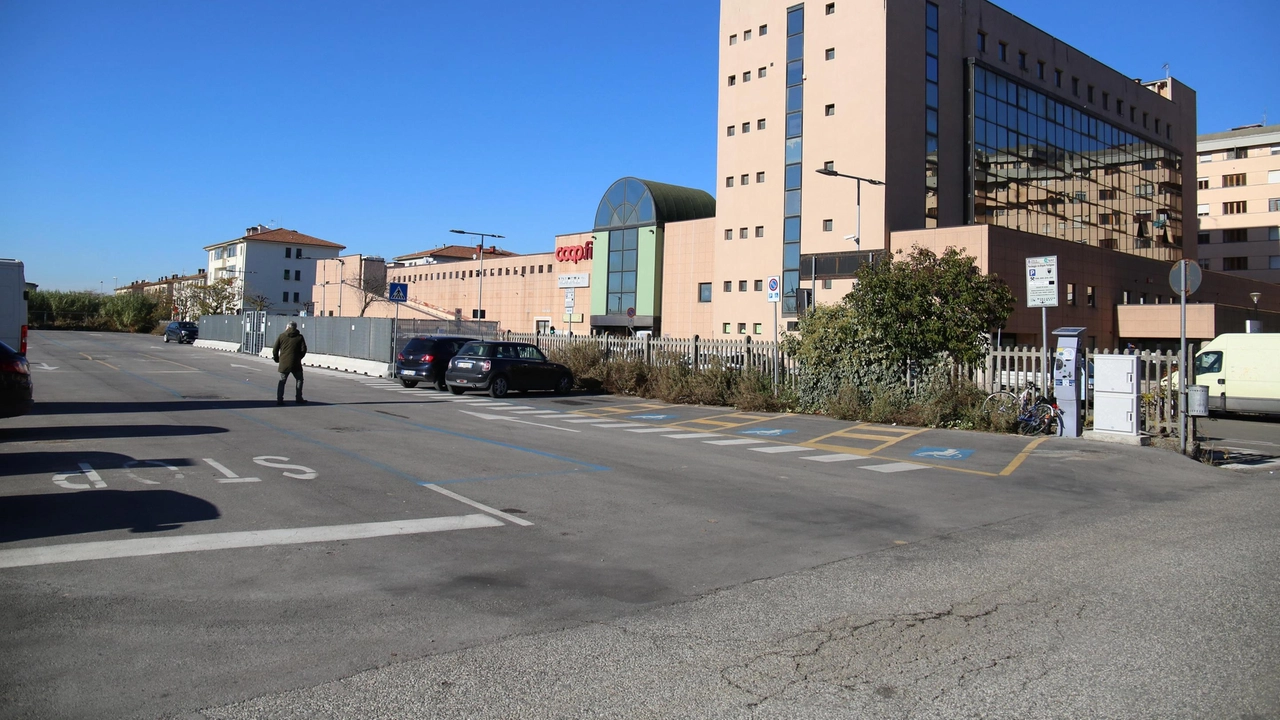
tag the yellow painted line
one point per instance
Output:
(153, 357)
(1013, 464)
(820, 438)
(720, 423)
(833, 448)
(860, 436)
(898, 440)
(102, 362)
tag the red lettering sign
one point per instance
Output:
(575, 253)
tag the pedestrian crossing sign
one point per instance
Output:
(397, 292)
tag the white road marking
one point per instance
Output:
(584, 420)
(518, 408)
(894, 467)
(780, 449)
(536, 412)
(691, 436)
(504, 418)
(282, 463)
(230, 476)
(617, 425)
(479, 506)
(108, 549)
(836, 457)
(735, 441)
(485, 403)
(651, 430)
(61, 479)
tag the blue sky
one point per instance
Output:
(134, 133)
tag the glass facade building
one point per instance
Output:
(793, 177)
(1044, 166)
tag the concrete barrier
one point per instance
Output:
(372, 368)
(218, 345)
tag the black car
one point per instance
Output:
(426, 359)
(502, 366)
(17, 392)
(182, 331)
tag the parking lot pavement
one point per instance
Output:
(157, 505)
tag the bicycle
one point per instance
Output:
(1032, 414)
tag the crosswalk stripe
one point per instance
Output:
(616, 425)
(894, 467)
(691, 436)
(583, 420)
(651, 430)
(836, 457)
(781, 449)
(735, 441)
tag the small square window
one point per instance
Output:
(760, 124)
(287, 251)
(731, 130)
(285, 296)
(829, 165)
(297, 274)
(733, 39)
(1089, 295)
(1071, 293)
(742, 286)
(764, 29)
(746, 76)
(831, 8)
(726, 328)
(728, 286)
(759, 285)
(831, 53)
(760, 177)
(827, 225)
(762, 72)
(742, 233)
(746, 127)
(733, 80)
(286, 274)
(746, 35)
(745, 178)
(704, 292)
(297, 253)
(742, 328)
(759, 231)
(826, 284)
(728, 234)
(831, 110)
(295, 297)
(755, 329)
(728, 182)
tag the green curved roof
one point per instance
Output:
(632, 201)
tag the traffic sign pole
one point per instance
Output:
(1182, 359)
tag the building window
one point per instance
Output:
(286, 274)
(826, 225)
(746, 35)
(1022, 60)
(1235, 263)
(728, 234)
(622, 270)
(1235, 235)
(742, 328)
(982, 41)
(1144, 190)
(1075, 86)
(931, 62)
(1202, 238)
(725, 328)
(1004, 51)
(728, 286)
(704, 292)
(1273, 205)
(759, 286)
(1236, 207)
(760, 177)
(1106, 100)
(755, 329)
(746, 76)
(745, 178)
(728, 182)
(295, 297)
(792, 157)
(1273, 234)
(1057, 78)
(1040, 69)
(759, 231)
(764, 29)
(742, 233)
(831, 8)
(742, 286)
(760, 124)
(760, 73)
(1202, 209)
(1273, 176)
(284, 297)
(1089, 93)
(231, 251)
(829, 165)
(733, 80)
(733, 39)
(217, 253)
(1088, 295)
(297, 274)
(1273, 262)
(1204, 263)
(730, 131)
(1202, 183)
(831, 53)
(1071, 293)
(287, 251)
(1233, 180)
(1107, 243)
(831, 110)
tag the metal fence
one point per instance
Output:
(362, 338)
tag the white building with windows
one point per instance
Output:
(1238, 177)
(276, 267)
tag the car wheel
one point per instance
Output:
(441, 385)
(456, 390)
(498, 387)
(408, 383)
(564, 385)
(166, 338)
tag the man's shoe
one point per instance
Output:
(279, 402)
(300, 402)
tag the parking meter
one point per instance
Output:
(1068, 366)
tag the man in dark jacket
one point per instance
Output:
(289, 350)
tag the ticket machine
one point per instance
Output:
(1068, 368)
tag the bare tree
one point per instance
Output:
(215, 298)
(258, 302)
(371, 286)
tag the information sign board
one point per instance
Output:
(1042, 281)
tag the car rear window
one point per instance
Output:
(419, 345)
(477, 349)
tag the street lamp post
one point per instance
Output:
(480, 291)
(1257, 323)
(857, 235)
(342, 269)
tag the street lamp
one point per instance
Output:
(829, 172)
(480, 292)
(1255, 297)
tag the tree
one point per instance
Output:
(258, 302)
(920, 305)
(132, 311)
(215, 298)
(370, 288)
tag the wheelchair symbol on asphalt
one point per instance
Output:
(767, 432)
(650, 417)
(939, 453)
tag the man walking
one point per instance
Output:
(289, 350)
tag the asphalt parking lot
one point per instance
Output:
(201, 547)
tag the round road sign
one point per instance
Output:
(1193, 276)
(631, 312)
(773, 284)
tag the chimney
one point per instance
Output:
(250, 231)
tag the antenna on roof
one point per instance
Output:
(1166, 71)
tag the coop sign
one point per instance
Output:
(575, 253)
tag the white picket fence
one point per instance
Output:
(1005, 368)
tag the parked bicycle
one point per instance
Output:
(1029, 412)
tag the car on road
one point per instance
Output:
(182, 331)
(17, 392)
(501, 366)
(425, 359)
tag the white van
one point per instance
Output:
(1242, 372)
(13, 305)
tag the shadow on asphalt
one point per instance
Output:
(23, 517)
(48, 463)
(94, 408)
(102, 432)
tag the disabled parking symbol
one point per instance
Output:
(941, 453)
(766, 432)
(650, 417)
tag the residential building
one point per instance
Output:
(172, 292)
(1238, 175)
(274, 269)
